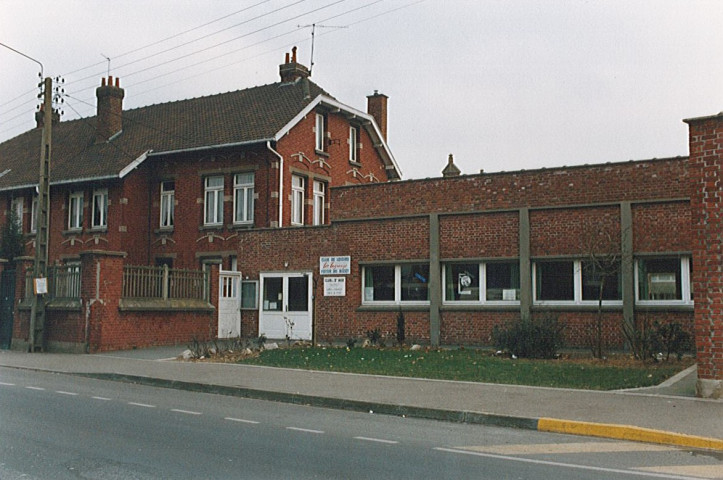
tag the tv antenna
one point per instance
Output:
(313, 32)
(107, 58)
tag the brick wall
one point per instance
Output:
(706, 182)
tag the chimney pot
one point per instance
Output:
(291, 70)
(293, 54)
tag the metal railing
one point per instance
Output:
(164, 283)
(63, 282)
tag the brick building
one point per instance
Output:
(461, 254)
(174, 185)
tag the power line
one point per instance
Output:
(196, 40)
(171, 37)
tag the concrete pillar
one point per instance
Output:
(435, 281)
(525, 265)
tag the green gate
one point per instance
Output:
(7, 304)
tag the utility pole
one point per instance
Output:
(40, 268)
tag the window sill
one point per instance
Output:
(98, 230)
(153, 304)
(394, 307)
(163, 231)
(73, 231)
(354, 163)
(210, 227)
(322, 153)
(240, 226)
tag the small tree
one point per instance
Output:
(602, 263)
(11, 244)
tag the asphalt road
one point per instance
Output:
(56, 426)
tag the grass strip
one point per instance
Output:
(471, 365)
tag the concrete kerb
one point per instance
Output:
(550, 425)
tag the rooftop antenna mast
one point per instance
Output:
(107, 58)
(313, 36)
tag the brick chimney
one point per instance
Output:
(377, 108)
(110, 109)
(40, 117)
(291, 71)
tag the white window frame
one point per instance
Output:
(167, 206)
(100, 195)
(577, 287)
(213, 195)
(255, 284)
(353, 144)
(243, 191)
(320, 131)
(319, 202)
(75, 210)
(397, 287)
(17, 205)
(482, 296)
(298, 197)
(685, 283)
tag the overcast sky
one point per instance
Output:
(503, 85)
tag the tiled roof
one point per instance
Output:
(243, 116)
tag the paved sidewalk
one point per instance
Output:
(665, 414)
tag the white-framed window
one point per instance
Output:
(16, 207)
(319, 201)
(213, 200)
(474, 282)
(320, 131)
(353, 144)
(564, 281)
(243, 198)
(395, 284)
(297, 199)
(100, 208)
(34, 215)
(663, 280)
(75, 211)
(168, 200)
(249, 294)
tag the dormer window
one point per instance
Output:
(320, 130)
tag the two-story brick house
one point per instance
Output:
(174, 183)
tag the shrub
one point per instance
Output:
(374, 336)
(530, 338)
(670, 338)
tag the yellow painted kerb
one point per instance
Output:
(626, 432)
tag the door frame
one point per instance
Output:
(268, 317)
(223, 314)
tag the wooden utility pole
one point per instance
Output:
(40, 268)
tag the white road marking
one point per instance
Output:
(72, 394)
(566, 465)
(187, 412)
(306, 430)
(145, 405)
(7, 384)
(241, 420)
(105, 399)
(40, 389)
(377, 440)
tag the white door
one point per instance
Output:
(286, 305)
(229, 304)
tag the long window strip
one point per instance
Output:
(75, 211)
(100, 208)
(297, 199)
(168, 197)
(243, 197)
(214, 200)
(319, 199)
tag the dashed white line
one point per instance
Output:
(306, 430)
(7, 384)
(377, 440)
(105, 399)
(72, 394)
(145, 405)
(40, 389)
(187, 412)
(241, 420)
